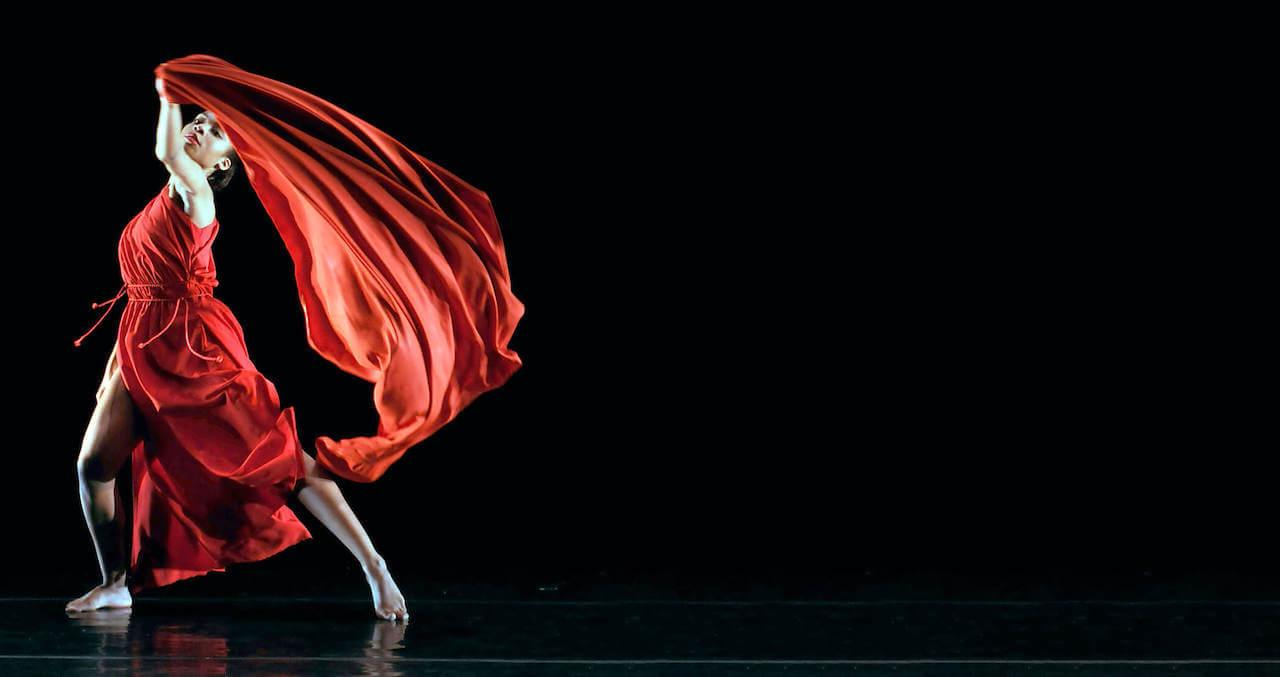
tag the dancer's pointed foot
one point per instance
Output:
(388, 603)
(115, 595)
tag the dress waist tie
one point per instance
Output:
(104, 315)
(161, 292)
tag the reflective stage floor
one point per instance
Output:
(673, 627)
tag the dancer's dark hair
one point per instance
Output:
(219, 178)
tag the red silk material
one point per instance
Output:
(400, 265)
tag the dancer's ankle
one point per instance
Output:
(375, 565)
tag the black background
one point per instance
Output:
(789, 311)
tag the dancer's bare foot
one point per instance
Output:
(115, 595)
(388, 603)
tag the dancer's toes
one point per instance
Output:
(393, 614)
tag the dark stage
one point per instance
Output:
(932, 385)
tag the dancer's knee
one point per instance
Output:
(314, 471)
(91, 467)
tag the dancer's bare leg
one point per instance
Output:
(107, 442)
(321, 495)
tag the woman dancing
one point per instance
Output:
(215, 457)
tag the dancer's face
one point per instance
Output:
(210, 145)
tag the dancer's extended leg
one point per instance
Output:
(111, 435)
(322, 497)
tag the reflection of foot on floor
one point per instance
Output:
(103, 597)
(388, 603)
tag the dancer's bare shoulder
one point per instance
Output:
(197, 204)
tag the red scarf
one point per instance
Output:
(400, 265)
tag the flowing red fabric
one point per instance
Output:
(400, 265)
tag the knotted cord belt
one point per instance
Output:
(144, 293)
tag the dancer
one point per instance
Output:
(215, 457)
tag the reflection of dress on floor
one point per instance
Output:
(219, 457)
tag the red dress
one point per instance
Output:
(219, 457)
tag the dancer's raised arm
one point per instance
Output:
(169, 139)
(171, 150)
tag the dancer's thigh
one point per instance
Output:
(113, 431)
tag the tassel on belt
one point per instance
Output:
(143, 293)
